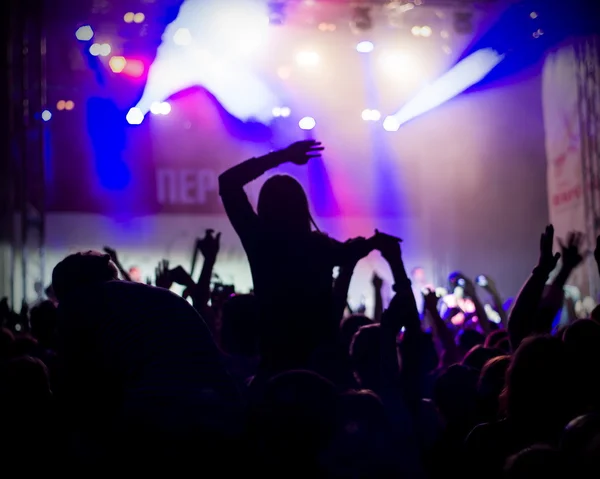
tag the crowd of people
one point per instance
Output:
(111, 375)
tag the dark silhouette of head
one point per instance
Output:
(537, 385)
(469, 338)
(495, 337)
(478, 356)
(364, 356)
(536, 461)
(492, 382)
(80, 270)
(283, 205)
(580, 442)
(27, 382)
(455, 396)
(349, 327)
(7, 343)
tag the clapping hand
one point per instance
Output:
(548, 259)
(301, 152)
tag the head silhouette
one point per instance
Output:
(283, 205)
(80, 270)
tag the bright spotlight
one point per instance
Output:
(95, 49)
(307, 59)
(416, 31)
(426, 31)
(182, 37)
(139, 18)
(135, 116)
(371, 115)
(60, 105)
(285, 112)
(128, 17)
(365, 47)
(307, 123)
(46, 115)
(391, 124)
(105, 49)
(395, 63)
(165, 108)
(69, 105)
(117, 64)
(276, 112)
(84, 33)
(155, 108)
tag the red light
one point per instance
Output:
(134, 68)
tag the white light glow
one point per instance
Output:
(365, 47)
(307, 59)
(95, 49)
(371, 115)
(285, 112)
(46, 115)
(135, 116)
(307, 123)
(391, 124)
(230, 34)
(182, 37)
(426, 31)
(84, 33)
(398, 63)
(165, 108)
(155, 108)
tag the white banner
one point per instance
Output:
(565, 174)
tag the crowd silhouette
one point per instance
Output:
(110, 375)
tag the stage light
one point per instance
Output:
(391, 124)
(533, 15)
(155, 108)
(365, 47)
(60, 105)
(371, 115)
(361, 19)
(327, 27)
(134, 68)
(276, 112)
(128, 17)
(426, 31)
(416, 31)
(95, 49)
(182, 37)
(135, 116)
(46, 115)
(276, 12)
(307, 59)
(69, 105)
(84, 33)
(117, 64)
(139, 18)
(285, 112)
(105, 50)
(307, 123)
(165, 108)
(397, 63)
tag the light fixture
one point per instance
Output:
(135, 116)
(371, 115)
(128, 17)
(117, 64)
(139, 18)
(307, 123)
(391, 123)
(365, 47)
(46, 115)
(84, 33)
(361, 18)
(60, 105)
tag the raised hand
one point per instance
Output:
(163, 275)
(571, 254)
(302, 152)
(548, 259)
(388, 246)
(376, 281)
(180, 276)
(112, 253)
(209, 245)
(431, 299)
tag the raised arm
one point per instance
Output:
(232, 182)
(521, 322)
